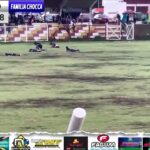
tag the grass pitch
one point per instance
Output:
(111, 80)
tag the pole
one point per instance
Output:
(47, 32)
(98, 3)
(133, 27)
(90, 16)
(26, 33)
(106, 27)
(77, 119)
(5, 33)
(91, 7)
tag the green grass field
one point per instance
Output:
(111, 80)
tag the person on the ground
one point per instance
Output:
(53, 44)
(38, 45)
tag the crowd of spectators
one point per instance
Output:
(20, 19)
(53, 16)
(50, 16)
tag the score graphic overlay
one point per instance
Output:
(13, 6)
(26, 6)
(4, 11)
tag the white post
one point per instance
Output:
(90, 16)
(106, 26)
(120, 28)
(77, 119)
(47, 32)
(91, 7)
(133, 26)
(5, 33)
(26, 33)
(135, 8)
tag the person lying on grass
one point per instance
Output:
(71, 49)
(53, 44)
(38, 47)
(12, 54)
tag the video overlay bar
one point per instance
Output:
(35, 6)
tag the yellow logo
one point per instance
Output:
(48, 143)
(21, 143)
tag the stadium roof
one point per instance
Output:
(69, 3)
(53, 3)
(137, 1)
(78, 3)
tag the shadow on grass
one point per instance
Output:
(139, 125)
(126, 101)
(45, 102)
(80, 78)
(97, 65)
(66, 77)
(73, 103)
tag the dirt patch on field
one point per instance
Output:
(109, 52)
(60, 77)
(42, 103)
(97, 65)
(139, 125)
(14, 62)
(51, 56)
(124, 101)
(79, 78)
(74, 77)
(73, 103)
(84, 65)
(78, 91)
(32, 128)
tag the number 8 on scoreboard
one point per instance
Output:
(4, 15)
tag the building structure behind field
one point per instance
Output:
(138, 5)
(113, 7)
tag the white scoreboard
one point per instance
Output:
(4, 15)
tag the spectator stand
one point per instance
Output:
(24, 33)
(48, 31)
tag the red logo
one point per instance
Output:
(103, 138)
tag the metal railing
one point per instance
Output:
(46, 32)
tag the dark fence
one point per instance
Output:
(142, 32)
